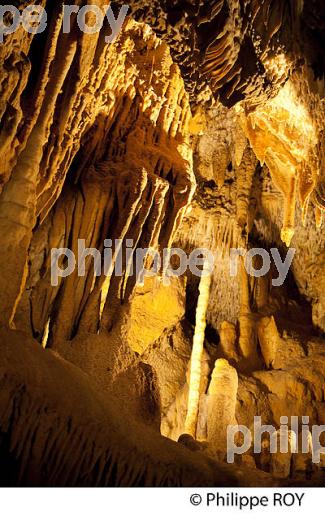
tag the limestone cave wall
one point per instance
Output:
(200, 126)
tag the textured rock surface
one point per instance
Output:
(154, 309)
(222, 394)
(81, 439)
(201, 126)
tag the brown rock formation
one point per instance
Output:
(200, 126)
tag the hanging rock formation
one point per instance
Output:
(200, 126)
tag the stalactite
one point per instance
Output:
(213, 51)
(130, 125)
(17, 202)
(285, 135)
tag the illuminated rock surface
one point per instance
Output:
(201, 126)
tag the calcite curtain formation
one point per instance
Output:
(111, 120)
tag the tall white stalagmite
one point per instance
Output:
(197, 352)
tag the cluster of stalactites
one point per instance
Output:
(113, 121)
(284, 135)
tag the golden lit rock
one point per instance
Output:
(200, 126)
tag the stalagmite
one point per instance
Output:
(264, 458)
(86, 440)
(196, 359)
(302, 464)
(222, 396)
(247, 323)
(286, 445)
(228, 337)
(268, 337)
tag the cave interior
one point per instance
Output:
(201, 126)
